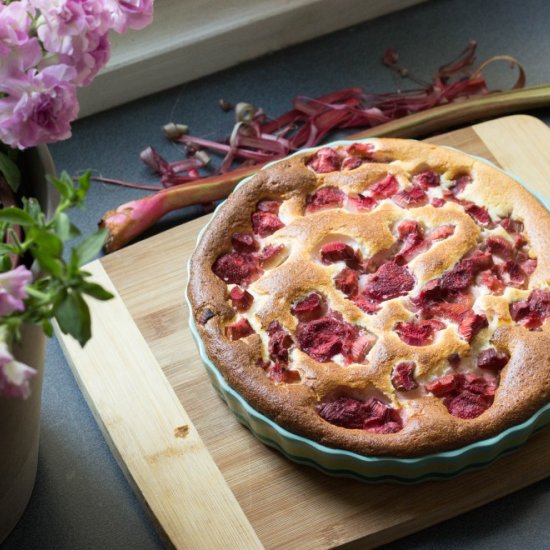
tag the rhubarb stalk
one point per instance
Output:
(131, 219)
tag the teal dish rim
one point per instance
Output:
(342, 463)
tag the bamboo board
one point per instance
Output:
(205, 479)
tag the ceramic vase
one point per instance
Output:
(20, 418)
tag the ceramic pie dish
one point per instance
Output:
(406, 464)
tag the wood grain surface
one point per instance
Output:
(215, 485)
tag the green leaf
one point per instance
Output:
(89, 247)
(48, 263)
(96, 291)
(10, 171)
(6, 249)
(16, 216)
(5, 263)
(33, 208)
(73, 317)
(81, 189)
(64, 228)
(46, 241)
(63, 184)
(47, 328)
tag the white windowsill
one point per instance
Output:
(192, 38)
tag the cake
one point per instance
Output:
(386, 297)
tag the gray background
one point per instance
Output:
(81, 499)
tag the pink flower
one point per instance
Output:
(15, 23)
(18, 49)
(12, 289)
(63, 20)
(47, 49)
(39, 106)
(130, 14)
(87, 54)
(14, 376)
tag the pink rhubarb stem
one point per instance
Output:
(131, 219)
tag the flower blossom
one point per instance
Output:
(130, 14)
(39, 106)
(12, 289)
(48, 48)
(18, 49)
(14, 376)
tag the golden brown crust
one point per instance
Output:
(523, 384)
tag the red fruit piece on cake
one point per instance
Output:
(244, 242)
(460, 183)
(441, 232)
(265, 223)
(282, 374)
(384, 188)
(235, 268)
(411, 198)
(381, 418)
(512, 274)
(280, 342)
(350, 163)
(426, 179)
(468, 405)
(325, 160)
(311, 307)
(464, 395)
(361, 150)
(437, 202)
(479, 213)
(409, 227)
(391, 280)
(511, 225)
(454, 311)
(442, 386)
(268, 205)
(402, 376)
(323, 338)
(478, 261)
(371, 415)
(268, 255)
(239, 330)
(418, 333)
(462, 275)
(471, 324)
(325, 197)
(413, 245)
(491, 359)
(499, 246)
(458, 278)
(532, 311)
(360, 347)
(529, 266)
(343, 411)
(519, 241)
(366, 305)
(347, 281)
(492, 282)
(338, 252)
(241, 299)
(429, 294)
(362, 202)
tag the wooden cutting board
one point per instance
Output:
(206, 480)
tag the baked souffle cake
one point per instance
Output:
(386, 297)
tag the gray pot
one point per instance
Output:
(20, 419)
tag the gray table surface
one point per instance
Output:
(81, 499)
